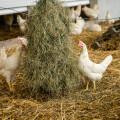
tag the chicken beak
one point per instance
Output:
(80, 45)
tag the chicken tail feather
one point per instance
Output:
(106, 61)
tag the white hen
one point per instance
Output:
(90, 69)
(73, 14)
(10, 65)
(77, 27)
(22, 23)
(108, 18)
(2, 57)
(9, 20)
(91, 27)
(76, 13)
(91, 12)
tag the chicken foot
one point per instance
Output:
(87, 85)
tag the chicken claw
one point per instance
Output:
(84, 81)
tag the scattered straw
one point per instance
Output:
(100, 104)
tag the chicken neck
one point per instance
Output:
(84, 51)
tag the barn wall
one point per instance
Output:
(15, 3)
(112, 5)
(21, 5)
(71, 3)
(14, 6)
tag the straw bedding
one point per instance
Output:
(100, 104)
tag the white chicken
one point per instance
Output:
(73, 14)
(10, 65)
(22, 23)
(108, 18)
(77, 27)
(91, 12)
(76, 13)
(91, 27)
(8, 20)
(89, 69)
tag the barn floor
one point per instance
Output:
(100, 104)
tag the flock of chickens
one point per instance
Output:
(90, 26)
(89, 69)
(76, 27)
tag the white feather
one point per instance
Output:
(76, 28)
(108, 18)
(22, 23)
(91, 27)
(91, 12)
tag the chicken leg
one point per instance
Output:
(94, 85)
(10, 86)
(87, 85)
(8, 79)
(84, 81)
(12, 83)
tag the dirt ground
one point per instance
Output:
(100, 104)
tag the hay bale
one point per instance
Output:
(50, 64)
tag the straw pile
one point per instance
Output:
(50, 64)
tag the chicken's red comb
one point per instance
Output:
(83, 7)
(80, 42)
(18, 37)
(19, 40)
